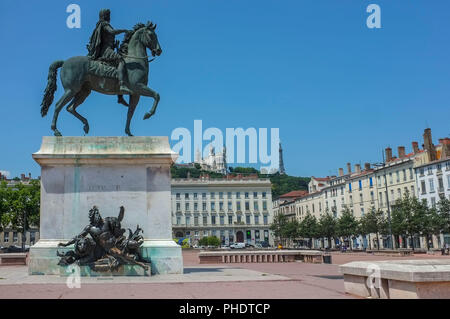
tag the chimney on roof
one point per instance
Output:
(388, 154)
(415, 146)
(445, 147)
(428, 145)
(401, 152)
(357, 168)
(367, 166)
(341, 172)
(349, 168)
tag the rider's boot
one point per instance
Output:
(124, 88)
(121, 72)
(121, 100)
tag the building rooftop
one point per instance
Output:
(298, 193)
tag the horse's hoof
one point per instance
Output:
(57, 133)
(128, 133)
(147, 116)
(86, 128)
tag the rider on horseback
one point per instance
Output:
(101, 48)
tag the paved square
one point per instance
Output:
(225, 281)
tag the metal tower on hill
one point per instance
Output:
(282, 171)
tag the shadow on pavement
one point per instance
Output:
(194, 270)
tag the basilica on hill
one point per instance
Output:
(213, 162)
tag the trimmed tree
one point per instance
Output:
(291, 230)
(213, 241)
(443, 208)
(347, 225)
(278, 226)
(309, 228)
(327, 227)
(373, 223)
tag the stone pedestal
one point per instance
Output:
(398, 279)
(108, 172)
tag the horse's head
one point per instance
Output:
(148, 37)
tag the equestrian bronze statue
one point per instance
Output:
(107, 69)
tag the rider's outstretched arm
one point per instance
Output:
(112, 31)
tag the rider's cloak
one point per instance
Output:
(94, 47)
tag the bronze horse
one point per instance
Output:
(80, 75)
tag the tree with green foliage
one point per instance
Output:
(282, 184)
(203, 241)
(278, 226)
(243, 170)
(347, 225)
(428, 220)
(373, 222)
(23, 203)
(411, 217)
(443, 209)
(20, 206)
(309, 228)
(213, 241)
(193, 172)
(327, 227)
(209, 241)
(291, 230)
(4, 204)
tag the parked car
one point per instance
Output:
(258, 245)
(224, 247)
(264, 244)
(249, 246)
(17, 249)
(237, 246)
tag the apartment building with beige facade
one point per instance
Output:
(373, 186)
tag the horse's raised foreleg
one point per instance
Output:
(79, 99)
(146, 91)
(134, 99)
(67, 96)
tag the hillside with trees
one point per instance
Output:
(281, 184)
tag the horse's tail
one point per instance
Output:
(51, 86)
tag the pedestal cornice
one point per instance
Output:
(65, 150)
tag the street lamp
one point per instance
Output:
(383, 165)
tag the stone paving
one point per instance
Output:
(225, 281)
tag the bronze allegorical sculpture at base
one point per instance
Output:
(102, 245)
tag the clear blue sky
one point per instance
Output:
(338, 91)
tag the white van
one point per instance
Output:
(237, 245)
